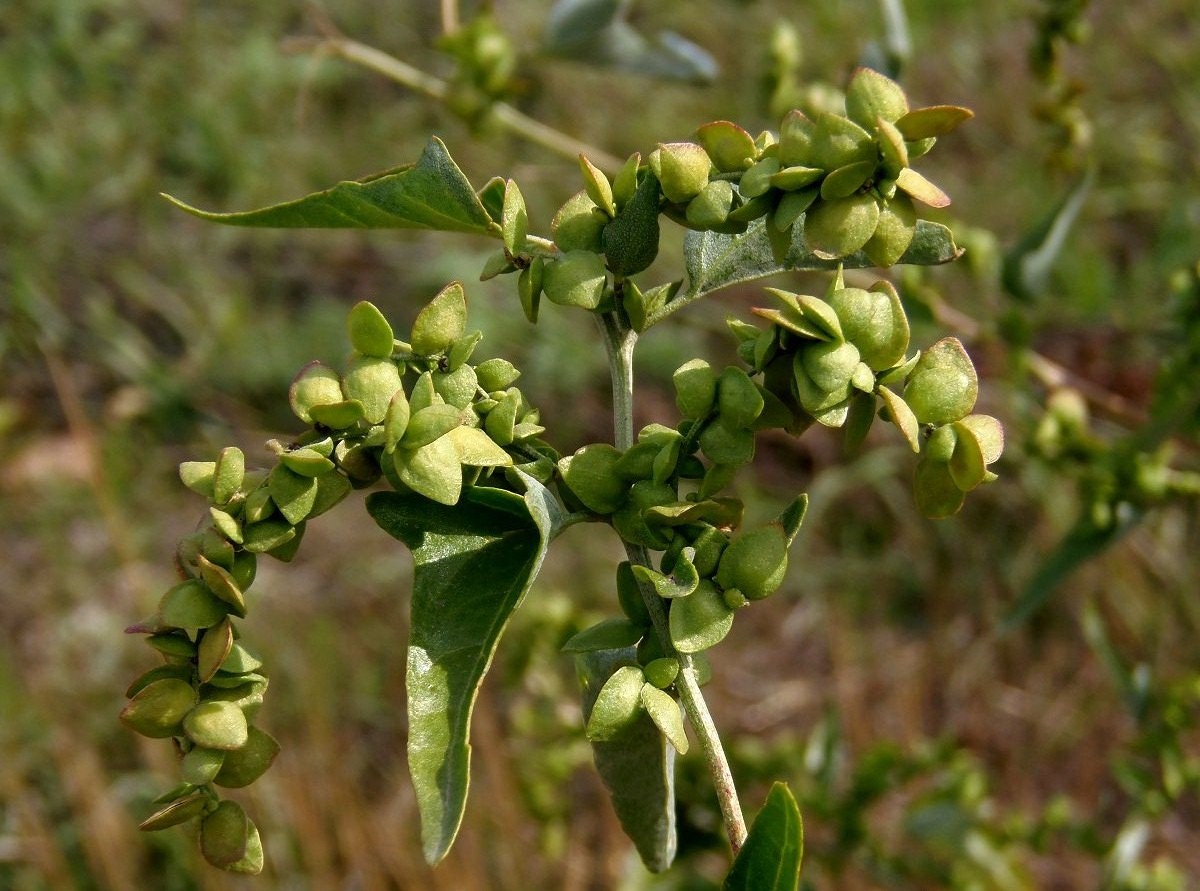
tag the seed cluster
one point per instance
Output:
(454, 425)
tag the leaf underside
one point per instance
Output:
(473, 563)
(715, 260)
(637, 766)
(770, 858)
(431, 194)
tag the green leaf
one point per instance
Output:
(179, 811)
(473, 563)
(431, 194)
(1028, 265)
(595, 32)
(770, 858)
(609, 634)
(715, 260)
(638, 768)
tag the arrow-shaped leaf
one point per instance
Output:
(770, 858)
(431, 194)
(473, 562)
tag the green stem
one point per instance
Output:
(619, 341)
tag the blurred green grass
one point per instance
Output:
(132, 338)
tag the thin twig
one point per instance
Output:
(450, 21)
(434, 87)
(619, 343)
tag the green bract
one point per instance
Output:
(576, 279)
(943, 386)
(370, 333)
(441, 322)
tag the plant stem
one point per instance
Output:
(619, 341)
(435, 88)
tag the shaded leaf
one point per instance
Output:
(1027, 266)
(609, 634)
(223, 834)
(179, 811)
(431, 194)
(715, 260)
(594, 31)
(245, 765)
(638, 768)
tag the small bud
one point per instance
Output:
(871, 96)
(682, 169)
(729, 146)
(755, 562)
(700, 620)
(441, 322)
(711, 207)
(578, 224)
(695, 388)
(839, 228)
(370, 333)
(578, 278)
(590, 474)
(943, 386)
(316, 384)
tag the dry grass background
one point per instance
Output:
(133, 339)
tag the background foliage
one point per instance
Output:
(932, 742)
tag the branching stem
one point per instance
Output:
(619, 341)
(413, 78)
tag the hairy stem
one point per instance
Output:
(619, 341)
(434, 87)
